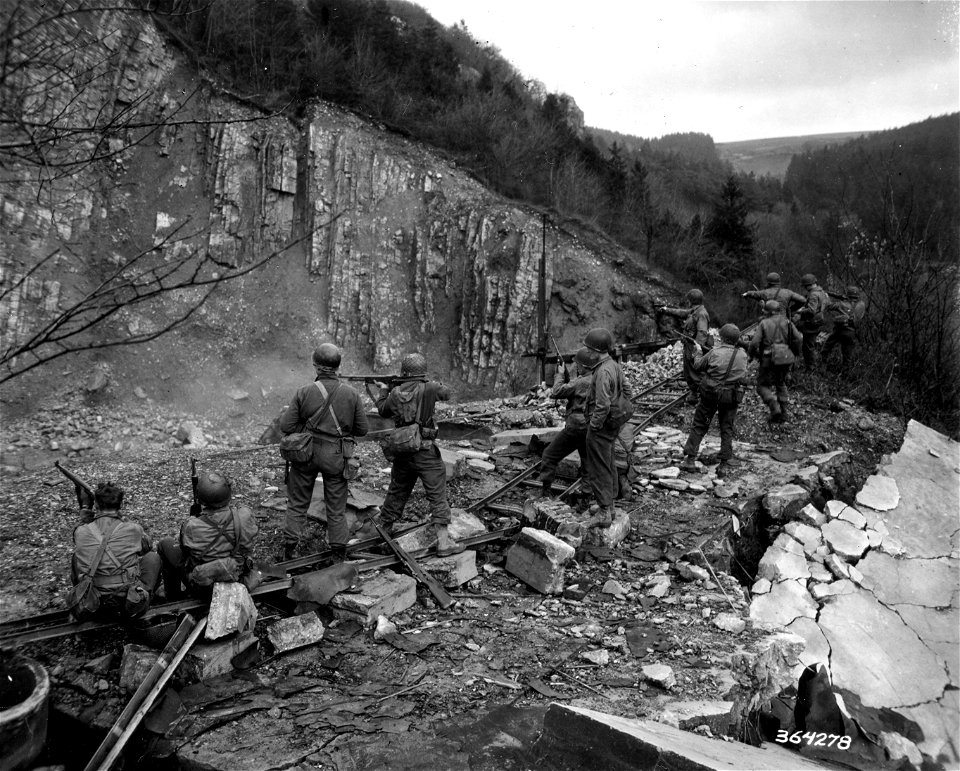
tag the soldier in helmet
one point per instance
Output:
(221, 536)
(774, 291)
(723, 368)
(574, 433)
(408, 402)
(847, 314)
(695, 331)
(810, 317)
(332, 411)
(776, 343)
(607, 385)
(114, 566)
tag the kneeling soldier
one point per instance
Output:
(214, 546)
(114, 570)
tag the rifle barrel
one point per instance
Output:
(73, 478)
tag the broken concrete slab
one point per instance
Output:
(846, 541)
(811, 515)
(891, 669)
(818, 572)
(525, 436)
(854, 517)
(383, 594)
(463, 524)
(670, 472)
(784, 503)
(823, 592)
(729, 622)
(453, 463)
(836, 566)
(816, 650)
(928, 582)
(288, 634)
(452, 571)
(231, 610)
(784, 560)
(809, 537)
(785, 602)
(687, 715)
(611, 535)
(880, 493)
(137, 661)
(538, 559)
(208, 660)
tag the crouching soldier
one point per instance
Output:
(215, 545)
(722, 368)
(776, 344)
(574, 433)
(114, 569)
(411, 404)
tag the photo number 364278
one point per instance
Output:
(814, 739)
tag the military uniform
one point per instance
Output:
(425, 464)
(772, 378)
(714, 366)
(607, 384)
(786, 297)
(574, 433)
(847, 316)
(810, 322)
(696, 328)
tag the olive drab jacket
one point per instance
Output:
(774, 329)
(713, 364)
(811, 315)
(213, 534)
(576, 393)
(120, 564)
(607, 383)
(696, 324)
(786, 297)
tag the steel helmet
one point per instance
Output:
(853, 292)
(587, 358)
(326, 355)
(599, 339)
(773, 279)
(413, 364)
(213, 490)
(730, 333)
(808, 279)
(770, 307)
(695, 297)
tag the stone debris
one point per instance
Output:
(287, 634)
(690, 572)
(809, 537)
(383, 594)
(231, 610)
(452, 571)
(761, 586)
(454, 463)
(205, 661)
(463, 524)
(762, 670)
(879, 493)
(538, 559)
(811, 515)
(688, 715)
(783, 503)
(728, 622)
(671, 472)
(615, 588)
(136, 662)
(786, 601)
(189, 433)
(660, 675)
(846, 540)
(822, 592)
(599, 657)
(784, 560)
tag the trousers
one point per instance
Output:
(600, 465)
(772, 382)
(569, 439)
(300, 483)
(702, 417)
(846, 338)
(426, 465)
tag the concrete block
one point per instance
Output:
(383, 594)
(525, 435)
(538, 559)
(452, 571)
(613, 534)
(690, 714)
(209, 660)
(660, 675)
(569, 467)
(231, 610)
(811, 515)
(463, 524)
(784, 503)
(136, 663)
(295, 632)
(453, 463)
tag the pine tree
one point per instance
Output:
(728, 230)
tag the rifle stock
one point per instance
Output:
(73, 478)
(196, 507)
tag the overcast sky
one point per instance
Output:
(734, 70)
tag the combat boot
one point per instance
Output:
(784, 415)
(603, 518)
(339, 552)
(689, 463)
(775, 412)
(446, 546)
(546, 491)
(289, 551)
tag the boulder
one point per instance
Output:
(660, 675)
(295, 632)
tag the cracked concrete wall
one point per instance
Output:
(401, 249)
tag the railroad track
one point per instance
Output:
(49, 626)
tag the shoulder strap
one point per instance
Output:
(730, 365)
(236, 527)
(99, 555)
(320, 414)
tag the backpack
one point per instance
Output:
(780, 352)
(406, 438)
(298, 447)
(223, 568)
(83, 599)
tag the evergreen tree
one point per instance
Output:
(728, 230)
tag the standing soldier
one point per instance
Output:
(333, 413)
(810, 318)
(114, 570)
(574, 433)
(776, 344)
(215, 545)
(774, 291)
(608, 408)
(412, 402)
(695, 329)
(723, 368)
(847, 314)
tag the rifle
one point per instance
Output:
(196, 507)
(78, 483)
(390, 380)
(435, 587)
(566, 372)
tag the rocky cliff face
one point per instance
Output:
(395, 249)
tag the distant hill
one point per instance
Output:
(771, 157)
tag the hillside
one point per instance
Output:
(771, 157)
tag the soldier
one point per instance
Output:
(774, 291)
(409, 402)
(574, 433)
(695, 331)
(776, 343)
(215, 545)
(114, 569)
(605, 411)
(809, 318)
(723, 369)
(333, 413)
(847, 313)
